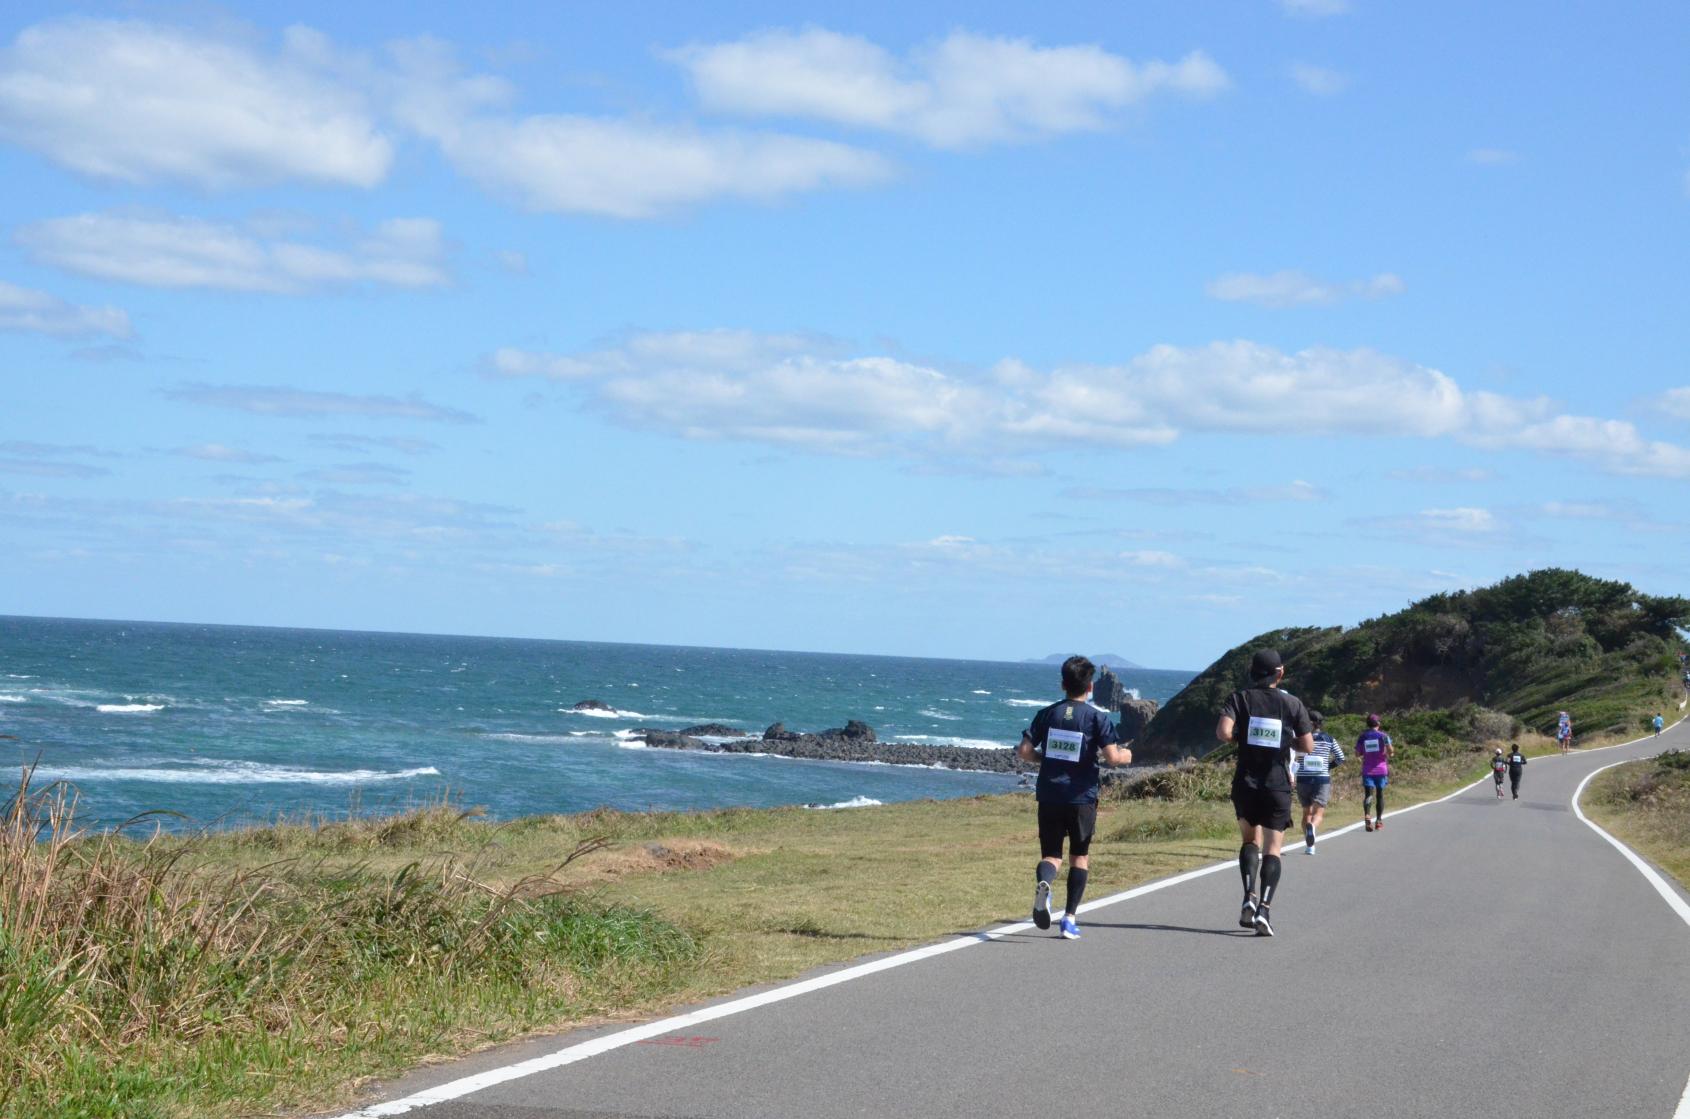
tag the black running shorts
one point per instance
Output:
(1072, 822)
(1263, 808)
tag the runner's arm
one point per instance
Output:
(1223, 729)
(1115, 754)
(1025, 751)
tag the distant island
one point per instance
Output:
(1107, 660)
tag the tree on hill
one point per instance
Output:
(1529, 646)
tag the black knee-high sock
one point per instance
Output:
(1249, 860)
(1381, 815)
(1270, 878)
(1046, 872)
(1076, 889)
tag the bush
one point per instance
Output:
(122, 964)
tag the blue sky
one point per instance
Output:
(952, 330)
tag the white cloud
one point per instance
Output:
(963, 91)
(269, 400)
(1675, 402)
(181, 252)
(1318, 80)
(1460, 519)
(1298, 289)
(772, 389)
(625, 168)
(140, 103)
(1492, 157)
(36, 312)
(221, 452)
(1315, 7)
(1152, 558)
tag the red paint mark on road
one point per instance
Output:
(682, 1042)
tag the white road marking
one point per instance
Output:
(580, 1051)
(1660, 884)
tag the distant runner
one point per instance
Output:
(1516, 766)
(1374, 749)
(1660, 723)
(1264, 723)
(1498, 770)
(1314, 779)
(1564, 731)
(1068, 739)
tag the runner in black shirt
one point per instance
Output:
(1263, 722)
(1068, 739)
(1516, 768)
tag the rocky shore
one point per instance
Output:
(853, 742)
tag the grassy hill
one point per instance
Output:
(1468, 663)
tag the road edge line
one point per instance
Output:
(580, 1051)
(1662, 887)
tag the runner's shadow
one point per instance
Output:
(1167, 928)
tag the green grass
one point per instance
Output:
(1647, 805)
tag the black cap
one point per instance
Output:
(1265, 663)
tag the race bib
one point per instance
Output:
(1371, 746)
(1263, 732)
(1312, 765)
(1064, 745)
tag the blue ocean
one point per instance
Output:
(231, 725)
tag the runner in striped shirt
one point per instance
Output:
(1314, 779)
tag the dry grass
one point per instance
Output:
(144, 978)
(1647, 804)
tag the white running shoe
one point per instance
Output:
(1041, 905)
(1247, 916)
(1070, 928)
(1263, 927)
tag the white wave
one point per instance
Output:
(18, 676)
(127, 708)
(981, 691)
(595, 713)
(932, 714)
(286, 702)
(719, 739)
(633, 744)
(941, 740)
(1133, 692)
(1026, 703)
(233, 773)
(14, 699)
(854, 802)
(570, 737)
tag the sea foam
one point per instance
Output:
(127, 708)
(854, 802)
(233, 773)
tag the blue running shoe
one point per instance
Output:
(1070, 928)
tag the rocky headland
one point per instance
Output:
(853, 742)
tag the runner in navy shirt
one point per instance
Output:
(1068, 740)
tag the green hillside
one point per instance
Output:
(1529, 646)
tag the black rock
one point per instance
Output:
(592, 705)
(778, 733)
(713, 730)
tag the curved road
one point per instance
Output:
(1478, 957)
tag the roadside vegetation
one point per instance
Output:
(247, 972)
(1477, 664)
(1646, 804)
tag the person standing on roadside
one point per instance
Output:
(1264, 724)
(1516, 767)
(1068, 740)
(1314, 779)
(1374, 749)
(1660, 724)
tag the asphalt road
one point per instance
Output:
(1478, 957)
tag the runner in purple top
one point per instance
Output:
(1374, 749)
